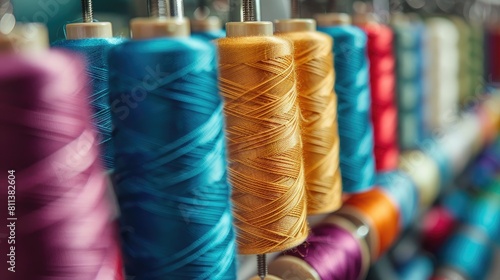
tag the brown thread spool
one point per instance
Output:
(257, 81)
(318, 104)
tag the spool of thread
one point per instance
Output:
(442, 90)
(464, 58)
(352, 87)
(332, 251)
(170, 162)
(384, 112)
(459, 153)
(409, 73)
(257, 81)
(318, 104)
(493, 43)
(94, 40)
(477, 43)
(440, 221)
(207, 29)
(431, 147)
(436, 227)
(484, 214)
(403, 192)
(381, 213)
(95, 51)
(62, 218)
(468, 252)
(424, 172)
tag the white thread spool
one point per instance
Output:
(442, 65)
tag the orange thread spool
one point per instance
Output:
(383, 216)
(318, 103)
(257, 81)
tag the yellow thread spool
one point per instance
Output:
(257, 82)
(318, 104)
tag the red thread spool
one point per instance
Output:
(493, 54)
(382, 86)
(437, 225)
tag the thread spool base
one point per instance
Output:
(250, 28)
(332, 19)
(268, 277)
(294, 25)
(364, 18)
(147, 28)
(89, 30)
(207, 24)
(289, 267)
(25, 37)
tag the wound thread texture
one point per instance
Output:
(64, 227)
(382, 86)
(318, 105)
(352, 87)
(170, 160)
(257, 81)
(95, 51)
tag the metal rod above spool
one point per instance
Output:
(251, 25)
(88, 28)
(166, 8)
(251, 10)
(166, 19)
(87, 12)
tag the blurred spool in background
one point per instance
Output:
(442, 88)
(403, 192)
(63, 228)
(424, 172)
(335, 238)
(318, 103)
(383, 92)
(468, 252)
(95, 50)
(352, 87)
(408, 37)
(381, 213)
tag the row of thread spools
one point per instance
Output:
(168, 163)
(457, 238)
